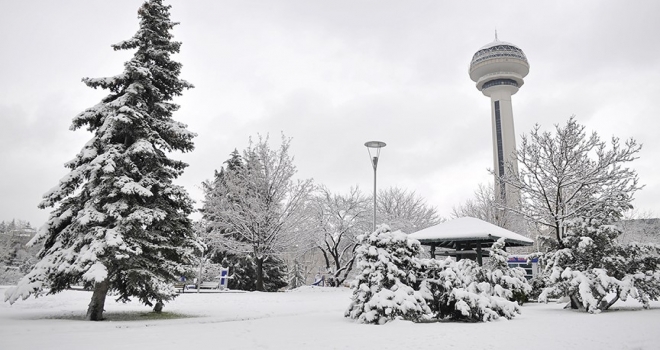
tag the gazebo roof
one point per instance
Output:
(468, 229)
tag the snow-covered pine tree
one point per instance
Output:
(592, 265)
(465, 291)
(243, 273)
(119, 223)
(505, 281)
(384, 287)
(296, 275)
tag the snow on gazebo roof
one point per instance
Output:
(468, 229)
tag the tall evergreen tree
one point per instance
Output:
(119, 223)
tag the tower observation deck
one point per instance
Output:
(499, 69)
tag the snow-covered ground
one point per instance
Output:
(309, 318)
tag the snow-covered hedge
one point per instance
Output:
(393, 283)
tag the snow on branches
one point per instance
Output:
(255, 206)
(393, 283)
(576, 187)
(463, 290)
(593, 267)
(566, 175)
(119, 223)
(382, 290)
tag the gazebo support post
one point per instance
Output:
(432, 251)
(479, 254)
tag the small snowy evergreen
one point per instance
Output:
(592, 266)
(393, 283)
(119, 225)
(296, 275)
(383, 289)
(465, 291)
(506, 282)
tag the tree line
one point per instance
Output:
(254, 207)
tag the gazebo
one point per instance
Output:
(467, 237)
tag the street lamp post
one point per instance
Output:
(374, 152)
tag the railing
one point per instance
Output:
(505, 51)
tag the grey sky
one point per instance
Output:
(333, 75)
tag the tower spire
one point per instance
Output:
(496, 39)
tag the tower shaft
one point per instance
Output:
(504, 143)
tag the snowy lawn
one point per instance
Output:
(308, 318)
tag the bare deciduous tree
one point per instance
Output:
(483, 206)
(567, 175)
(338, 219)
(405, 210)
(260, 209)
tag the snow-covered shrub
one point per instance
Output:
(538, 284)
(508, 282)
(465, 291)
(383, 289)
(593, 265)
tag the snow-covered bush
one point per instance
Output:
(538, 284)
(383, 289)
(465, 291)
(393, 283)
(514, 285)
(592, 265)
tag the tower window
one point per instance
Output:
(497, 82)
(500, 147)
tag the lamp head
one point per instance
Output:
(374, 146)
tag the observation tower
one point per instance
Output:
(499, 69)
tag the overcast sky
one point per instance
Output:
(333, 75)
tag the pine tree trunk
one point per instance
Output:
(608, 305)
(95, 309)
(259, 262)
(575, 303)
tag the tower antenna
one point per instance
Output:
(496, 39)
